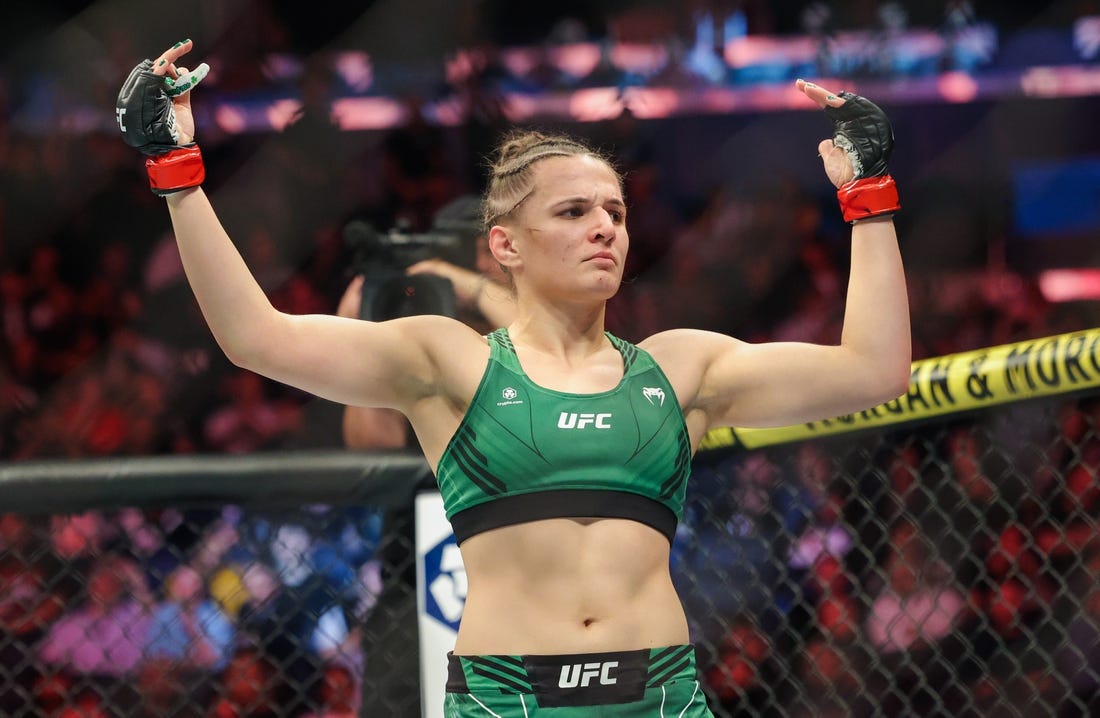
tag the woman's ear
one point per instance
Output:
(502, 246)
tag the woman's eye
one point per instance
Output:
(573, 212)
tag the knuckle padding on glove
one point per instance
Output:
(863, 130)
(150, 119)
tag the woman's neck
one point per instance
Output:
(563, 331)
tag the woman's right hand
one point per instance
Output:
(153, 110)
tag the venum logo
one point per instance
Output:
(571, 420)
(581, 674)
(654, 394)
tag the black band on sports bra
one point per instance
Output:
(563, 503)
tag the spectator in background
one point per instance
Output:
(101, 641)
(188, 642)
(741, 671)
(111, 406)
(415, 168)
(910, 624)
(18, 350)
(1078, 657)
(111, 297)
(249, 687)
(78, 539)
(917, 605)
(35, 589)
(50, 315)
(830, 675)
(339, 694)
(250, 420)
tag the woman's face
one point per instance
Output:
(569, 235)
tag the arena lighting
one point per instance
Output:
(1086, 36)
(521, 61)
(756, 50)
(651, 103)
(1063, 81)
(576, 59)
(1070, 285)
(752, 75)
(596, 104)
(639, 58)
(355, 69)
(282, 113)
(368, 113)
(957, 87)
(231, 118)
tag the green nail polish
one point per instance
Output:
(831, 97)
(178, 44)
(161, 63)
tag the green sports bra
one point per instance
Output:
(524, 452)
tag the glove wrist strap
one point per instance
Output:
(175, 170)
(868, 197)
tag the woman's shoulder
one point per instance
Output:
(450, 344)
(675, 343)
(685, 355)
(439, 329)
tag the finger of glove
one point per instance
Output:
(862, 128)
(186, 80)
(162, 64)
(820, 95)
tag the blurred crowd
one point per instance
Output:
(940, 571)
(217, 613)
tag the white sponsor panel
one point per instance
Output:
(440, 598)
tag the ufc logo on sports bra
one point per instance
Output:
(570, 420)
(581, 674)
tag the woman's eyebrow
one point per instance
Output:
(588, 200)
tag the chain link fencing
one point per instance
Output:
(947, 567)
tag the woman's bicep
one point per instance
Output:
(784, 383)
(348, 361)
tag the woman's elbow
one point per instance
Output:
(251, 347)
(895, 382)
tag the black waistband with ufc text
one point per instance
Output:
(570, 680)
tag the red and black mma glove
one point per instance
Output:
(147, 119)
(861, 129)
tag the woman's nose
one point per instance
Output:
(605, 227)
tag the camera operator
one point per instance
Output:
(482, 295)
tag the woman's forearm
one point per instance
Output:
(234, 305)
(876, 316)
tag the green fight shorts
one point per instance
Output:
(650, 683)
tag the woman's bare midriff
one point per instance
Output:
(569, 586)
